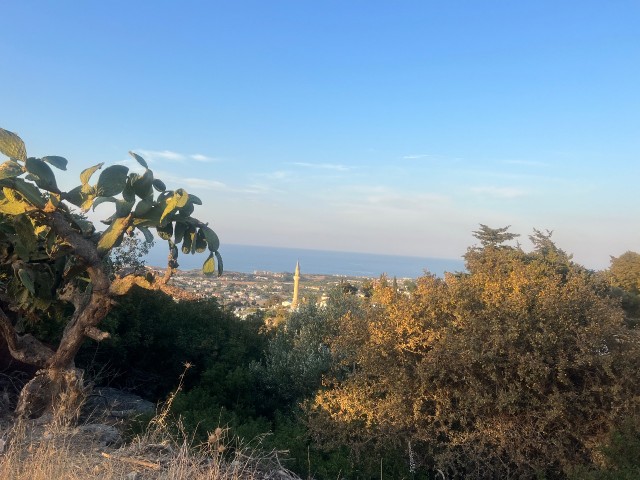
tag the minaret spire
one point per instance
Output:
(296, 284)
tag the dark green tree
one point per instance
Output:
(52, 258)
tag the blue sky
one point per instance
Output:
(382, 127)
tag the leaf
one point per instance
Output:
(112, 236)
(43, 174)
(27, 240)
(100, 200)
(177, 200)
(11, 205)
(12, 145)
(212, 239)
(58, 162)
(178, 231)
(123, 208)
(219, 258)
(87, 173)
(112, 180)
(142, 186)
(26, 278)
(201, 242)
(139, 159)
(187, 243)
(159, 185)
(148, 236)
(10, 169)
(209, 266)
(142, 207)
(30, 193)
(165, 232)
(186, 211)
(80, 196)
(86, 227)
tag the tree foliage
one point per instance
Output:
(520, 367)
(625, 272)
(52, 256)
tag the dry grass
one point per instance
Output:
(40, 450)
(45, 452)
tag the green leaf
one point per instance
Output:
(26, 278)
(123, 208)
(212, 239)
(112, 180)
(86, 227)
(27, 240)
(112, 236)
(219, 258)
(159, 185)
(142, 207)
(10, 169)
(58, 162)
(100, 200)
(12, 145)
(201, 242)
(30, 193)
(87, 173)
(43, 174)
(179, 230)
(186, 211)
(209, 266)
(79, 197)
(150, 218)
(139, 159)
(148, 236)
(177, 200)
(165, 232)
(142, 186)
(189, 237)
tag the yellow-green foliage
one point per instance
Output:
(520, 367)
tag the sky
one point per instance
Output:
(392, 127)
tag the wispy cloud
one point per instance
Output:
(171, 156)
(215, 185)
(500, 192)
(278, 175)
(323, 166)
(416, 156)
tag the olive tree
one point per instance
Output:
(52, 258)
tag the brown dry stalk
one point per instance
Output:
(133, 461)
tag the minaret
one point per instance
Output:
(296, 282)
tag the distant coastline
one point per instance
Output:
(249, 258)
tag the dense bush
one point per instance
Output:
(153, 337)
(519, 368)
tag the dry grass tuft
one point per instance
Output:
(46, 450)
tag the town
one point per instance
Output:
(247, 293)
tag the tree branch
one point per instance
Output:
(25, 348)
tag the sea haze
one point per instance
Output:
(247, 259)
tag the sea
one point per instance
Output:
(251, 258)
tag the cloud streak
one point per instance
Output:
(323, 166)
(171, 156)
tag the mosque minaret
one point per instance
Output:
(296, 285)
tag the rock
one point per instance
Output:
(101, 434)
(111, 402)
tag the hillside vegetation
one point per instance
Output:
(524, 366)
